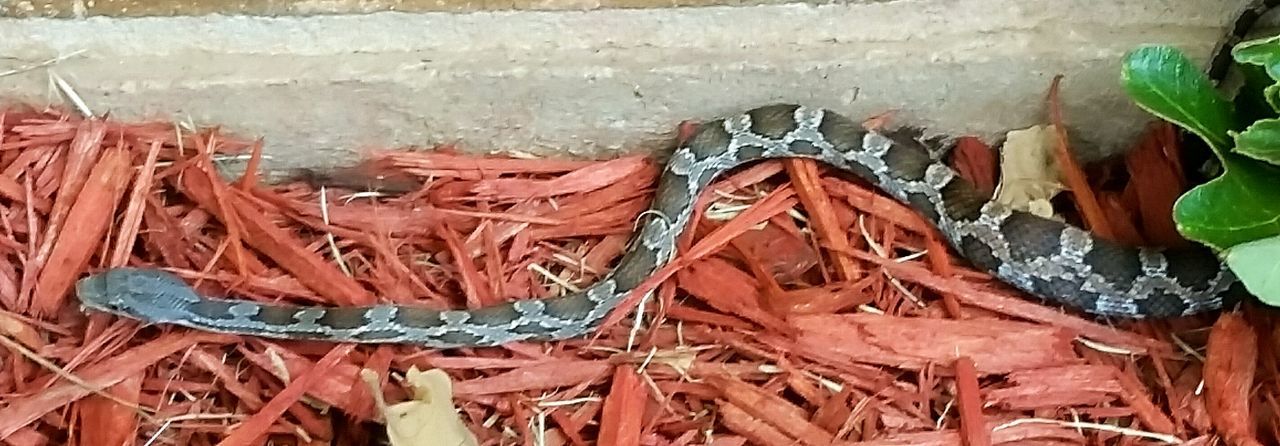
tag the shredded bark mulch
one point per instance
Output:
(804, 308)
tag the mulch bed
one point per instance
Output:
(804, 308)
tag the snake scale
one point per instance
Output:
(1044, 257)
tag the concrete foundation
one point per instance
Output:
(598, 82)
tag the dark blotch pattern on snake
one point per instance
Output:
(1057, 262)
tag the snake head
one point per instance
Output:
(146, 294)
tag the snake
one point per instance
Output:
(1043, 257)
(1046, 258)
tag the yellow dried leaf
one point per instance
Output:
(429, 419)
(1029, 176)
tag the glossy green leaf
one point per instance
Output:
(1261, 52)
(1272, 95)
(1240, 206)
(1260, 141)
(1257, 264)
(1163, 81)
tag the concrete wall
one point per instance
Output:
(598, 81)
(141, 8)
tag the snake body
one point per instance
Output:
(1055, 261)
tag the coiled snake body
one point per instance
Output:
(1046, 258)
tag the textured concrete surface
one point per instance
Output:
(592, 83)
(143, 8)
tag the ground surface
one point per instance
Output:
(804, 309)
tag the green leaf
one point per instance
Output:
(1257, 264)
(1272, 96)
(1239, 206)
(1163, 81)
(1260, 141)
(1261, 52)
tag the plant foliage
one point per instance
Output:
(1238, 212)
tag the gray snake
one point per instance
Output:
(1055, 261)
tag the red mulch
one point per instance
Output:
(795, 313)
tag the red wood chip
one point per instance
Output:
(996, 346)
(1229, 371)
(788, 317)
(1052, 387)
